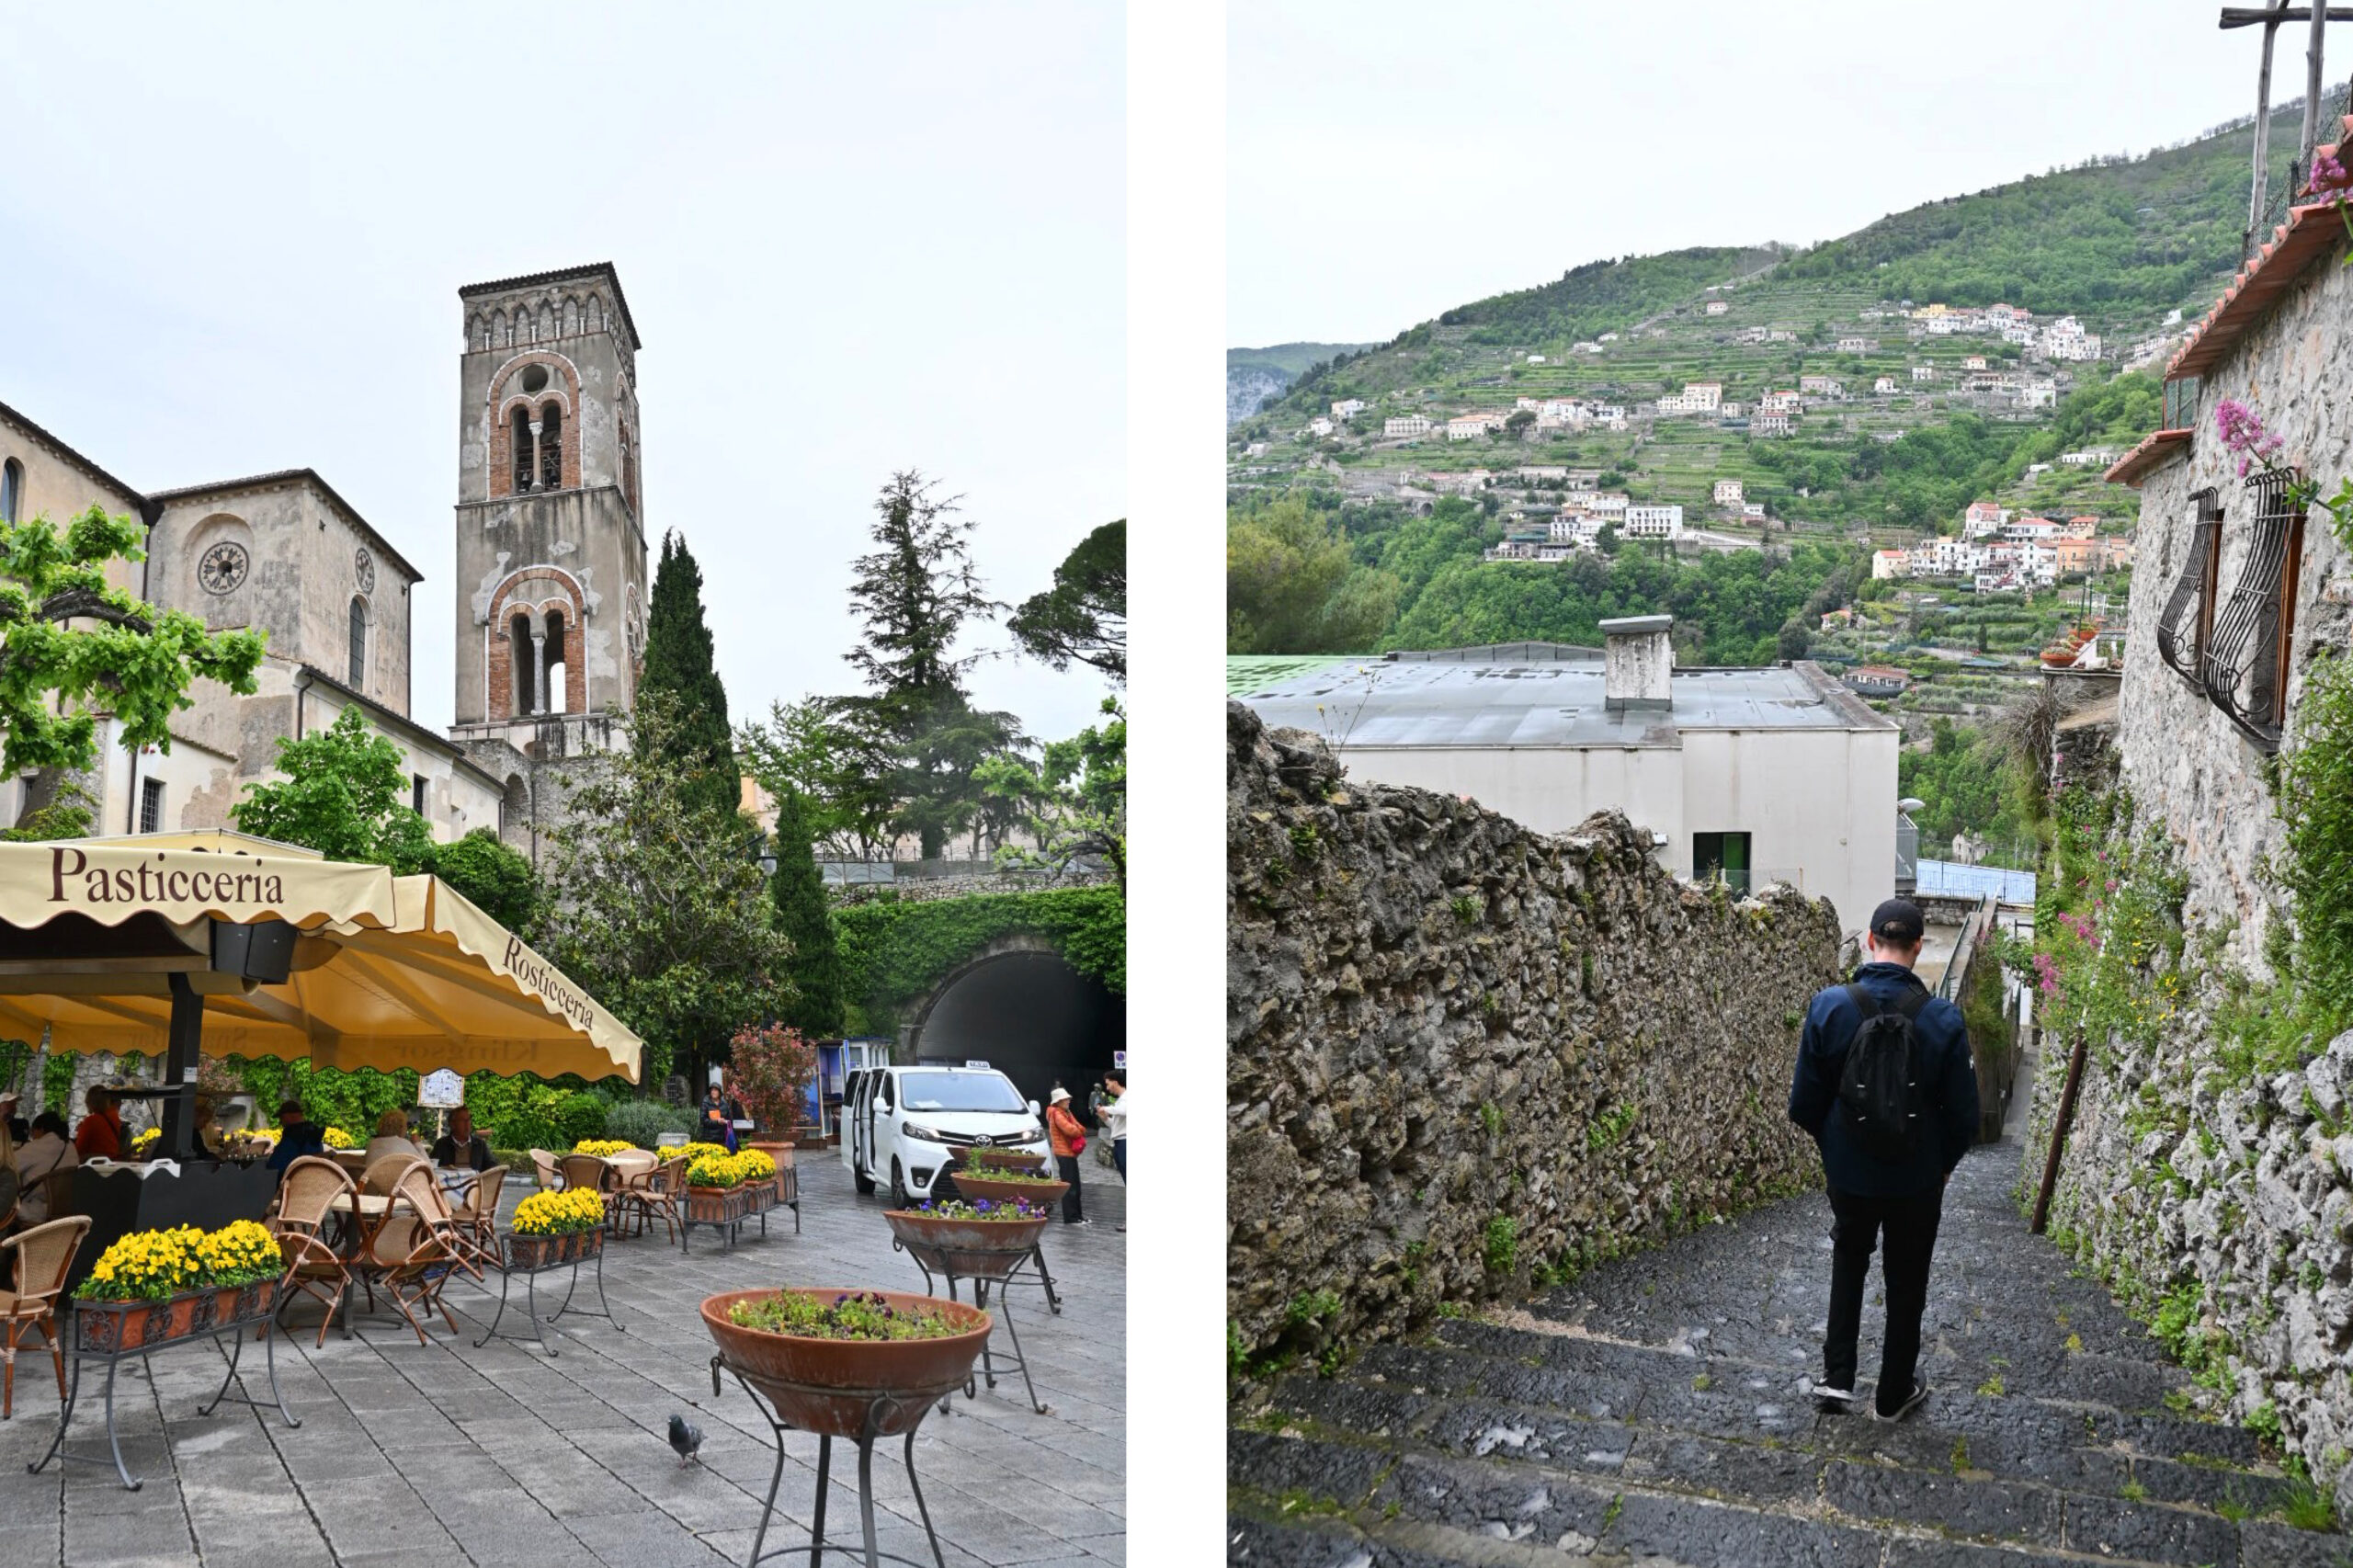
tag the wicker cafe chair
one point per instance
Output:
(43, 1254)
(632, 1169)
(477, 1216)
(414, 1253)
(654, 1195)
(591, 1171)
(543, 1171)
(310, 1198)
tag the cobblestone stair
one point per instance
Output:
(1655, 1411)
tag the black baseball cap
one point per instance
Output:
(1898, 920)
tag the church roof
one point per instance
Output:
(563, 275)
(63, 451)
(294, 476)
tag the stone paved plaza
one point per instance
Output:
(446, 1454)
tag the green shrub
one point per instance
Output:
(1503, 1244)
(580, 1115)
(643, 1121)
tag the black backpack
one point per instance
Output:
(1882, 1090)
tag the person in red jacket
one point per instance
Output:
(100, 1135)
(1068, 1137)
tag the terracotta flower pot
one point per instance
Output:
(984, 1249)
(780, 1152)
(530, 1253)
(1018, 1159)
(133, 1325)
(1044, 1195)
(233, 1303)
(797, 1375)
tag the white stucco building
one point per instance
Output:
(1759, 774)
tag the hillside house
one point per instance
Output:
(2095, 456)
(1348, 408)
(1610, 503)
(1921, 373)
(2039, 394)
(2075, 555)
(1717, 307)
(1319, 426)
(1858, 345)
(1771, 422)
(1753, 510)
(1781, 402)
(1984, 517)
(1820, 386)
(1752, 775)
(1883, 387)
(1727, 493)
(1655, 522)
(1973, 362)
(1536, 359)
(1472, 427)
(1889, 564)
(1405, 427)
(1877, 680)
(2066, 340)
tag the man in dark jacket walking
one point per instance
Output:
(1872, 1196)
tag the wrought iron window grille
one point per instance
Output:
(2183, 630)
(2242, 665)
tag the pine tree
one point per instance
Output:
(803, 916)
(680, 665)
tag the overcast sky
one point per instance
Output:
(854, 239)
(1388, 161)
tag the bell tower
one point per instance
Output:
(552, 562)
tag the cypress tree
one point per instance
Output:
(678, 660)
(803, 916)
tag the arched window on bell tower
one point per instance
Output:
(551, 446)
(359, 671)
(519, 437)
(559, 699)
(522, 650)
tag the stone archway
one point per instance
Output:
(1018, 1004)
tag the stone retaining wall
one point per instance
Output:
(1459, 1052)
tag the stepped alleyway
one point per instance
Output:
(1653, 1411)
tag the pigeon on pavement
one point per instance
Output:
(686, 1437)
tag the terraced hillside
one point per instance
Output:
(1653, 1411)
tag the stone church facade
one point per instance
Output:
(551, 583)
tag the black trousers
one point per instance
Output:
(1067, 1164)
(1908, 1228)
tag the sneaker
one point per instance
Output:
(1829, 1394)
(1912, 1402)
(1078, 1222)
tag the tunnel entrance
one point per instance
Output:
(1031, 1017)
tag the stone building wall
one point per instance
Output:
(1459, 1052)
(2207, 1183)
(2189, 769)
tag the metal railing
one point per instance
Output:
(2240, 667)
(1908, 853)
(2187, 614)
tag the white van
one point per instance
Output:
(905, 1125)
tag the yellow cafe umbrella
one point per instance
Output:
(148, 943)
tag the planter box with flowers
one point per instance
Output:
(845, 1363)
(153, 1286)
(984, 1239)
(723, 1189)
(1008, 1175)
(552, 1229)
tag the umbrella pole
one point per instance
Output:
(185, 1040)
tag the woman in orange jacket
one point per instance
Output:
(1068, 1137)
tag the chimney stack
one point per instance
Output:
(1639, 656)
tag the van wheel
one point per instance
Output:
(860, 1180)
(898, 1184)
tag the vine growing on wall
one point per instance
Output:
(893, 952)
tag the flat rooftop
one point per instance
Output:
(1541, 695)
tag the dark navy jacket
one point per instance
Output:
(1830, 1026)
(306, 1137)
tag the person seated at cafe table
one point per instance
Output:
(99, 1137)
(391, 1137)
(298, 1135)
(45, 1151)
(462, 1148)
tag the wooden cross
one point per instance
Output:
(2269, 18)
